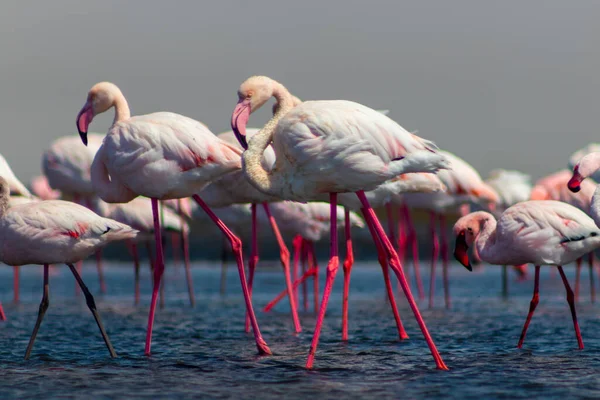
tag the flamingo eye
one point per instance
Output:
(249, 95)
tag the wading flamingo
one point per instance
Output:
(51, 232)
(537, 232)
(326, 147)
(161, 156)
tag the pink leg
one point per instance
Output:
(397, 267)
(2, 314)
(314, 266)
(412, 239)
(434, 256)
(306, 265)
(283, 293)
(332, 268)
(297, 246)
(158, 271)
(445, 263)
(285, 263)
(236, 245)
(15, 284)
(577, 278)
(383, 261)
(534, 302)
(390, 217)
(347, 270)
(592, 287)
(252, 261)
(571, 301)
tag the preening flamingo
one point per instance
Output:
(162, 156)
(554, 187)
(51, 232)
(538, 232)
(326, 147)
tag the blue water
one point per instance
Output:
(204, 351)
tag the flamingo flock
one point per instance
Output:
(315, 169)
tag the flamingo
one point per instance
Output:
(55, 231)
(16, 188)
(41, 188)
(539, 232)
(138, 214)
(579, 154)
(554, 187)
(234, 188)
(161, 156)
(66, 165)
(463, 185)
(512, 187)
(326, 147)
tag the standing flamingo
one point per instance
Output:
(579, 154)
(538, 232)
(512, 187)
(554, 187)
(55, 231)
(463, 185)
(162, 156)
(326, 147)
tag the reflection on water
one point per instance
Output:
(204, 351)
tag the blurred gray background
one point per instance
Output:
(501, 84)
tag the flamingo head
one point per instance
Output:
(100, 98)
(252, 94)
(586, 167)
(466, 230)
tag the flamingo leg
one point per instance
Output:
(236, 245)
(390, 219)
(445, 262)
(434, 257)
(2, 314)
(297, 246)
(223, 285)
(158, 271)
(89, 299)
(42, 311)
(136, 263)
(571, 301)
(412, 239)
(315, 268)
(397, 268)
(283, 293)
(402, 235)
(252, 261)
(577, 278)
(505, 281)
(383, 261)
(592, 286)
(16, 284)
(332, 268)
(532, 305)
(348, 262)
(306, 265)
(284, 254)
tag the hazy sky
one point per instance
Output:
(500, 83)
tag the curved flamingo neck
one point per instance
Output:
(122, 112)
(595, 206)
(486, 241)
(268, 182)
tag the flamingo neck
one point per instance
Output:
(122, 112)
(4, 199)
(267, 182)
(595, 206)
(486, 242)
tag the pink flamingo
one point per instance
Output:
(18, 190)
(463, 185)
(512, 187)
(234, 188)
(162, 156)
(138, 214)
(66, 165)
(538, 232)
(41, 188)
(326, 147)
(554, 187)
(579, 154)
(55, 231)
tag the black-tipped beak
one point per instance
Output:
(239, 119)
(574, 184)
(461, 251)
(83, 136)
(84, 118)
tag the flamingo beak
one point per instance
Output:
(460, 251)
(84, 119)
(574, 184)
(239, 119)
